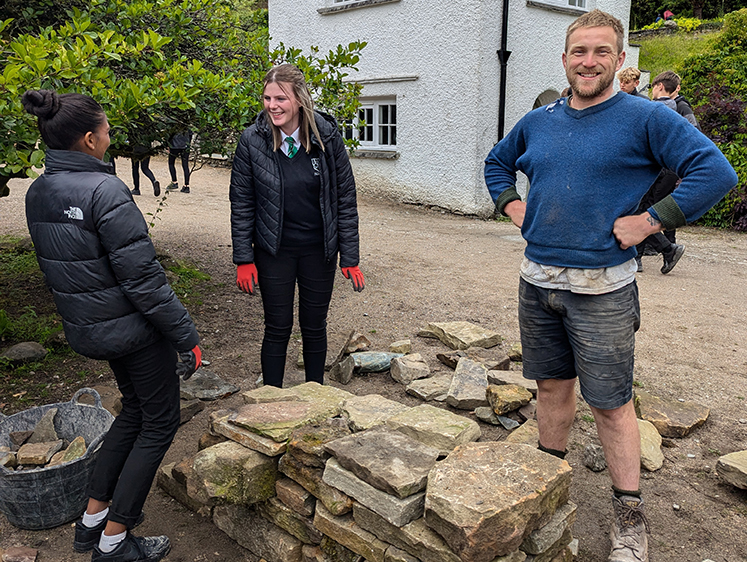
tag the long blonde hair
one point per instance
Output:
(290, 75)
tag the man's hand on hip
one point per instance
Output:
(515, 211)
(634, 229)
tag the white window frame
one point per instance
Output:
(381, 132)
(572, 7)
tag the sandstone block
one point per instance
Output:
(733, 468)
(400, 346)
(365, 412)
(546, 537)
(462, 335)
(189, 409)
(651, 456)
(310, 478)
(220, 425)
(75, 450)
(527, 434)
(343, 371)
(432, 388)
(394, 554)
(386, 459)
(507, 397)
(435, 427)
(408, 368)
(306, 444)
(294, 523)
(670, 417)
(467, 390)
(345, 531)
(484, 498)
(256, 534)
(37, 454)
(177, 490)
(512, 377)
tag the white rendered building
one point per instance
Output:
(431, 75)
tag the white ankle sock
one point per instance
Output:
(93, 520)
(107, 543)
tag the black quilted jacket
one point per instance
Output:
(93, 247)
(257, 194)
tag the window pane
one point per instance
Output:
(393, 135)
(383, 135)
(383, 114)
(393, 114)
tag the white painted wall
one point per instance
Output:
(447, 118)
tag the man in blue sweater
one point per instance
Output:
(589, 160)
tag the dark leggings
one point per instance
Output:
(141, 434)
(278, 276)
(144, 166)
(658, 241)
(183, 153)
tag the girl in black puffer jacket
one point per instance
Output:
(293, 209)
(93, 247)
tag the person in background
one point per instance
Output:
(179, 148)
(578, 298)
(666, 86)
(668, 15)
(116, 304)
(293, 210)
(141, 161)
(629, 79)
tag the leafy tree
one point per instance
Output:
(644, 12)
(156, 66)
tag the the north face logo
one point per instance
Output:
(74, 213)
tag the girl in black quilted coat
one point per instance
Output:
(293, 210)
(93, 247)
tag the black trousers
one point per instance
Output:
(182, 153)
(141, 434)
(658, 241)
(278, 276)
(143, 165)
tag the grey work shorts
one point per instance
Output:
(565, 335)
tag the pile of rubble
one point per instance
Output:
(40, 447)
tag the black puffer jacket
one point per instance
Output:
(93, 247)
(257, 194)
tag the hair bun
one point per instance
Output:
(42, 103)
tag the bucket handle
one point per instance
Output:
(91, 392)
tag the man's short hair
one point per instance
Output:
(598, 18)
(629, 74)
(670, 80)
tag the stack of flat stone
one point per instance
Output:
(40, 447)
(315, 474)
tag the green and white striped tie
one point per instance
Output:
(292, 148)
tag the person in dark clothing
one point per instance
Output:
(671, 252)
(293, 210)
(116, 304)
(140, 161)
(179, 148)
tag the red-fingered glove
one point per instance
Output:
(190, 362)
(246, 277)
(356, 276)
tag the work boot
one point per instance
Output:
(628, 534)
(156, 188)
(671, 257)
(639, 264)
(135, 191)
(172, 186)
(135, 549)
(185, 189)
(88, 537)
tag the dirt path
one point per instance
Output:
(421, 266)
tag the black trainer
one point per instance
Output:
(672, 257)
(88, 537)
(156, 188)
(135, 549)
(185, 189)
(135, 191)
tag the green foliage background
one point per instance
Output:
(156, 66)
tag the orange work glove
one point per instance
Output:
(190, 362)
(356, 276)
(246, 277)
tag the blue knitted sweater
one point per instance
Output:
(587, 168)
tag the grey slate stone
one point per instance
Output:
(189, 409)
(386, 459)
(467, 390)
(365, 412)
(397, 511)
(394, 554)
(206, 385)
(484, 498)
(342, 372)
(44, 431)
(594, 457)
(373, 361)
(431, 388)
(25, 352)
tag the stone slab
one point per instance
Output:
(506, 398)
(463, 335)
(220, 425)
(651, 456)
(37, 454)
(344, 530)
(189, 409)
(300, 526)
(400, 346)
(177, 490)
(206, 385)
(672, 418)
(435, 427)
(546, 537)
(365, 412)
(386, 459)
(295, 496)
(44, 431)
(397, 511)
(484, 498)
(256, 534)
(512, 377)
(527, 434)
(306, 444)
(467, 390)
(408, 368)
(310, 479)
(733, 468)
(432, 388)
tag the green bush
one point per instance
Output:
(29, 326)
